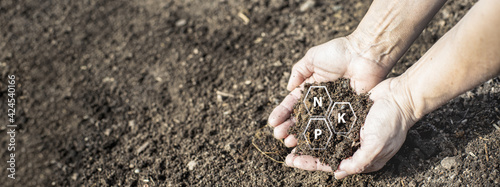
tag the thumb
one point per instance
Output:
(302, 70)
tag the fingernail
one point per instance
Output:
(340, 174)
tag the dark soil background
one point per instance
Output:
(169, 93)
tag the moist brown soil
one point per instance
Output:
(172, 93)
(344, 139)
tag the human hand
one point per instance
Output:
(381, 137)
(337, 58)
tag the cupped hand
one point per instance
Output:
(337, 58)
(381, 137)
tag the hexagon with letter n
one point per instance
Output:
(317, 101)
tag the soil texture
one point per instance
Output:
(172, 93)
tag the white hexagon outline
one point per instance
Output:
(327, 126)
(353, 112)
(329, 97)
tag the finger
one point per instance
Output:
(301, 70)
(279, 115)
(357, 163)
(282, 112)
(306, 162)
(291, 141)
(290, 158)
(281, 131)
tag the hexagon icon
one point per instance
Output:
(317, 133)
(317, 101)
(342, 117)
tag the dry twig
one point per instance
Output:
(243, 17)
(262, 152)
(486, 151)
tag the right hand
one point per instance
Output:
(384, 130)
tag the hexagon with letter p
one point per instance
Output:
(342, 117)
(317, 101)
(317, 133)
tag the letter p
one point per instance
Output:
(317, 132)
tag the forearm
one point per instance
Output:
(466, 56)
(390, 27)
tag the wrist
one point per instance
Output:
(378, 47)
(410, 107)
(390, 27)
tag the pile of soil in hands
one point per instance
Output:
(344, 139)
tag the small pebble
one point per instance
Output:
(191, 165)
(307, 5)
(228, 147)
(137, 171)
(108, 79)
(337, 8)
(449, 162)
(107, 132)
(446, 13)
(180, 22)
